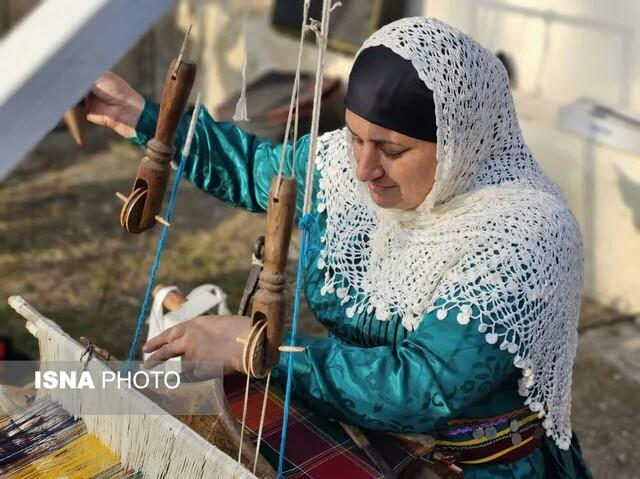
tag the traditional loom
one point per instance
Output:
(47, 440)
(44, 440)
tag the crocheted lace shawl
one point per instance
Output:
(494, 238)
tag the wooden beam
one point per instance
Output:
(50, 60)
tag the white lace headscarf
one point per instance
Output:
(494, 237)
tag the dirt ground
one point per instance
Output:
(61, 247)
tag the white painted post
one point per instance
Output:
(49, 61)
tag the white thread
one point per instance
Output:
(143, 435)
(240, 113)
(293, 104)
(322, 37)
(182, 50)
(244, 416)
(262, 415)
(192, 127)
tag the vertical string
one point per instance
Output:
(293, 105)
(262, 416)
(163, 236)
(294, 102)
(295, 132)
(307, 219)
(244, 416)
(305, 227)
(241, 107)
(322, 39)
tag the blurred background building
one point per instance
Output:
(577, 86)
(575, 72)
(575, 68)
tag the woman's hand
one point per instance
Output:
(112, 102)
(206, 340)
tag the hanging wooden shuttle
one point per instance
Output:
(142, 207)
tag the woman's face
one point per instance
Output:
(398, 170)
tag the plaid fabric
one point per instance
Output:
(316, 446)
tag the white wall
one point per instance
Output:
(603, 186)
(563, 50)
(220, 58)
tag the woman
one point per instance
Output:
(450, 268)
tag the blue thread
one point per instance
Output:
(309, 223)
(306, 224)
(156, 263)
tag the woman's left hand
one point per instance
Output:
(113, 103)
(206, 340)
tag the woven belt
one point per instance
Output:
(496, 440)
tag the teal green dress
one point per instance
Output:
(374, 374)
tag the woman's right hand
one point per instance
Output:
(113, 103)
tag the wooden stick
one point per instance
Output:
(24, 309)
(270, 300)
(292, 349)
(140, 212)
(162, 221)
(75, 119)
(177, 87)
(173, 300)
(363, 443)
(101, 353)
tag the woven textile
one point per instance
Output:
(45, 441)
(316, 447)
